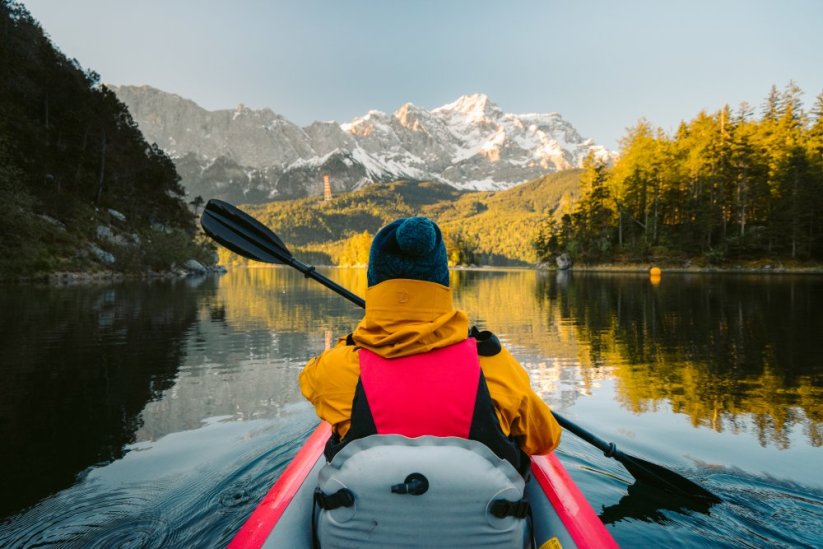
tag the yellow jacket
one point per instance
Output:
(405, 317)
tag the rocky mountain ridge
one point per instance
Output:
(248, 155)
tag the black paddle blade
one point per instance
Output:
(652, 474)
(243, 234)
(642, 470)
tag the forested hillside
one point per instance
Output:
(80, 188)
(727, 186)
(499, 228)
(488, 228)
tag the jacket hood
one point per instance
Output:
(406, 317)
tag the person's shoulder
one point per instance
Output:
(333, 367)
(340, 352)
(343, 352)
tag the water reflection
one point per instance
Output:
(733, 353)
(179, 403)
(246, 350)
(78, 367)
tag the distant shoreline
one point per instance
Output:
(104, 277)
(75, 278)
(609, 268)
(644, 268)
(776, 268)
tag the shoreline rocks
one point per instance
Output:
(70, 278)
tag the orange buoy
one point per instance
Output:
(655, 272)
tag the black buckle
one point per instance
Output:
(341, 498)
(487, 342)
(518, 509)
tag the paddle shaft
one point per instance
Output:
(246, 236)
(608, 448)
(310, 272)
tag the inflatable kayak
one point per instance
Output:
(558, 514)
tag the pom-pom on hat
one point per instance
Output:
(411, 247)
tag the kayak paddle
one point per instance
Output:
(245, 236)
(640, 469)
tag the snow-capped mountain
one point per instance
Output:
(257, 155)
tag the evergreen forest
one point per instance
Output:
(80, 188)
(728, 186)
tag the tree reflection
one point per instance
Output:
(732, 352)
(79, 364)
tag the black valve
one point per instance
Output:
(415, 484)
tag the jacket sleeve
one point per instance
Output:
(522, 413)
(328, 381)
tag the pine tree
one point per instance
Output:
(635, 186)
(750, 190)
(787, 171)
(771, 109)
(814, 152)
(76, 149)
(594, 216)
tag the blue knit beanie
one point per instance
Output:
(411, 247)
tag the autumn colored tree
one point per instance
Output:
(356, 250)
(726, 185)
(594, 216)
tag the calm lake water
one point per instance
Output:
(159, 414)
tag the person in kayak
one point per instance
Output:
(412, 367)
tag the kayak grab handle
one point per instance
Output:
(414, 485)
(341, 498)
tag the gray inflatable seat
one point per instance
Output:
(464, 478)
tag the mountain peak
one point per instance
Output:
(411, 116)
(470, 144)
(407, 108)
(473, 106)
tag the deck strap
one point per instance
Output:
(502, 508)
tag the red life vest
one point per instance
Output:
(426, 394)
(439, 393)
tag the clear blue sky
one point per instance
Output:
(601, 64)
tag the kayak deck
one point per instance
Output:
(562, 517)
